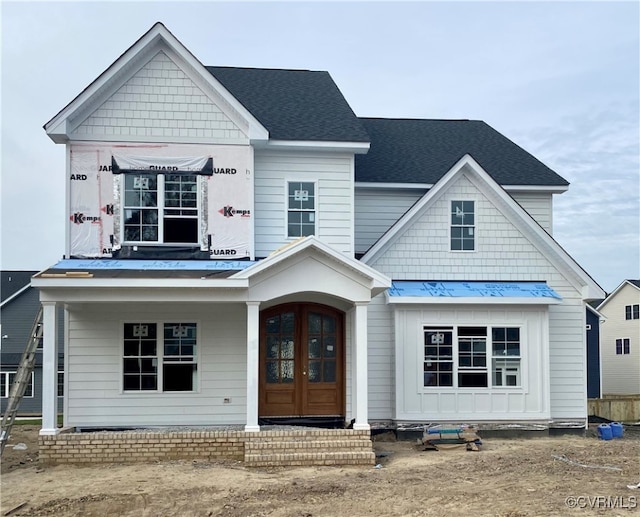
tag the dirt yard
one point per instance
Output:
(507, 478)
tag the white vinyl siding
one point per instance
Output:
(94, 368)
(371, 222)
(333, 177)
(539, 205)
(377, 210)
(504, 254)
(620, 372)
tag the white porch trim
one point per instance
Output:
(49, 369)
(253, 365)
(360, 387)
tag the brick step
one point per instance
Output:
(317, 458)
(320, 434)
(295, 445)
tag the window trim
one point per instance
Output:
(490, 388)
(4, 379)
(120, 201)
(160, 347)
(287, 210)
(474, 226)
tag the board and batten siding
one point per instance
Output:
(333, 176)
(94, 367)
(620, 372)
(503, 254)
(416, 402)
(160, 102)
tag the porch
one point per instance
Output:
(274, 447)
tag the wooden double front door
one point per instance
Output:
(301, 361)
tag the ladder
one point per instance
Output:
(21, 380)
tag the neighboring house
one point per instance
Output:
(242, 249)
(620, 340)
(18, 311)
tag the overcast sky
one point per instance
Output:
(561, 79)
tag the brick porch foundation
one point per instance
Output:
(266, 448)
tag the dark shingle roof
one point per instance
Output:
(293, 104)
(422, 151)
(635, 282)
(13, 281)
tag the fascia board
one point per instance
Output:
(379, 280)
(156, 39)
(383, 244)
(601, 316)
(615, 292)
(72, 296)
(313, 145)
(139, 283)
(158, 30)
(15, 295)
(548, 189)
(464, 300)
(527, 223)
(588, 288)
(386, 186)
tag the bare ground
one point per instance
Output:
(507, 478)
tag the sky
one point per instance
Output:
(560, 79)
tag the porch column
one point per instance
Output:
(253, 365)
(360, 362)
(49, 369)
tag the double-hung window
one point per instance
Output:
(623, 346)
(160, 357)
(438, 356)
(301, 208)
(632, 312)
(506, 356)
(6, 380)
(463, 226)
(460, 357)
(160, 208)
(472, 357)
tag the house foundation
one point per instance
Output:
(263, 449)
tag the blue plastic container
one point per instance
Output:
(616, 429)
(604, 432)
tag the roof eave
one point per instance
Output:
(314, 145)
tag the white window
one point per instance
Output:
(472, 357)
(160, 209)
(463, 226)
(160, 357)
(438, 356)
(6, 380)
(506, 356)
(458, 357)
(301, 208)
